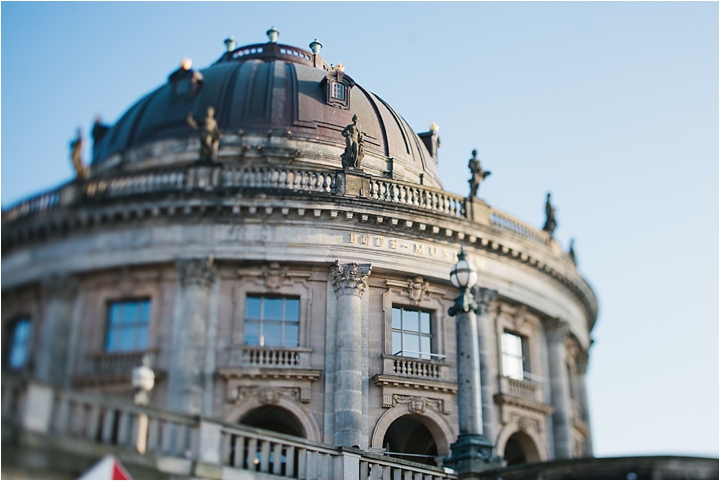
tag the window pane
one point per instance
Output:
(252, 310)
(396, 342)
(114, 313)
(127, 328)
(411, 321)
(411, 345)
(252, 334)
(127, 339)
(110, 341)
(142, 339)
(425, 347)
(273, 309)
(292, 309)
(425, 322)
(396, 318)
(145, 312)
(291, 336)
(20, 347)
(272, 334)
(130, 313)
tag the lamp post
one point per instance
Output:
(472, 453)
(143, 380)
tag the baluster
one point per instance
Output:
(311, 465)
(264, 456)
(386, 472)
(166, 430)
(302, 463)
(290, 462)
(108, 426)
(62, 416)
(277, 459)
(252, 462)
(124, 429)
(93, 423)
(153, 434)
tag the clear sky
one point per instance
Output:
(611, 106)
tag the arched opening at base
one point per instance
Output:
(520, 449)
(408, 438)
(275, 419)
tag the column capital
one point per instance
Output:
(349, 279)
(556, 329)
(200, 271)
(61, 286)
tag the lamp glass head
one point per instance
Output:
(463, 274)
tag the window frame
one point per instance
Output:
(261, 321)
(135, 326)
(403, 332)
(10, 331)
(524, 356)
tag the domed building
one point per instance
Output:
(276, 240)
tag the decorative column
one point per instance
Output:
(472, 453)
(349, 284)
(54, 334)
(556, 332)
(186, 373)
(582, 395)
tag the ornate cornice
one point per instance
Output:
(349, 279)
(411, 383)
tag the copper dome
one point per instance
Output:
(272, 90)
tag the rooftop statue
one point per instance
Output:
(209, 134)
(477, 174)
(571, 251)
(550, 223)
(81, 170)
(354, 149)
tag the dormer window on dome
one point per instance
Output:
(337, 87)
(185, 81)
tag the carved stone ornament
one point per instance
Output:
(354, 146)
(418, 404)
(208, 133)
(264, 395)
(76, 146)
(349, 278)
(197, 271)
(417, 289)
(274, 275)
(519, 317)
(526, 424)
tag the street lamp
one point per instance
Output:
(472, 453)
(143, 380)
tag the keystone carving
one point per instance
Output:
(418, 404)
(349, 278)
(417, 290)
(200, 272)
(274, 275)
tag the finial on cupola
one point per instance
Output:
(272, 35)
(230, 43)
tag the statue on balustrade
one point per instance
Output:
(477, 175)
(208, 133)
(354, 148)
(76, 145)
(571, 251)
(550, 222)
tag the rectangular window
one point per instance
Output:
(412, 333)
(19, 350)
(514, 354)
(272, 321)
(338, 91)
(127, 325)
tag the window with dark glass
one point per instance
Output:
(514, 356)
(19, 347)
(412, 333)
(272, 321)
(127, 325)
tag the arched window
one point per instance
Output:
(408, 438)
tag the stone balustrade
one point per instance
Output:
(417, 196)
(114, 363)
(506, 223)
(140, 183)
(524, 389)
(277, 357)
(34, 205)
(413, 367)
(269, 178)
(183, 445)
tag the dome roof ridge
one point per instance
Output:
(270, 51)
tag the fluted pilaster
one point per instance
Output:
(556, 331)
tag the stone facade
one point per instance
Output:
(340, 253)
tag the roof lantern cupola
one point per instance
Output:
(315, 46)
(272, 35)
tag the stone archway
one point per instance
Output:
(255, 407)
(520, 449)
(423, 420)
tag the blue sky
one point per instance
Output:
(611, 106)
